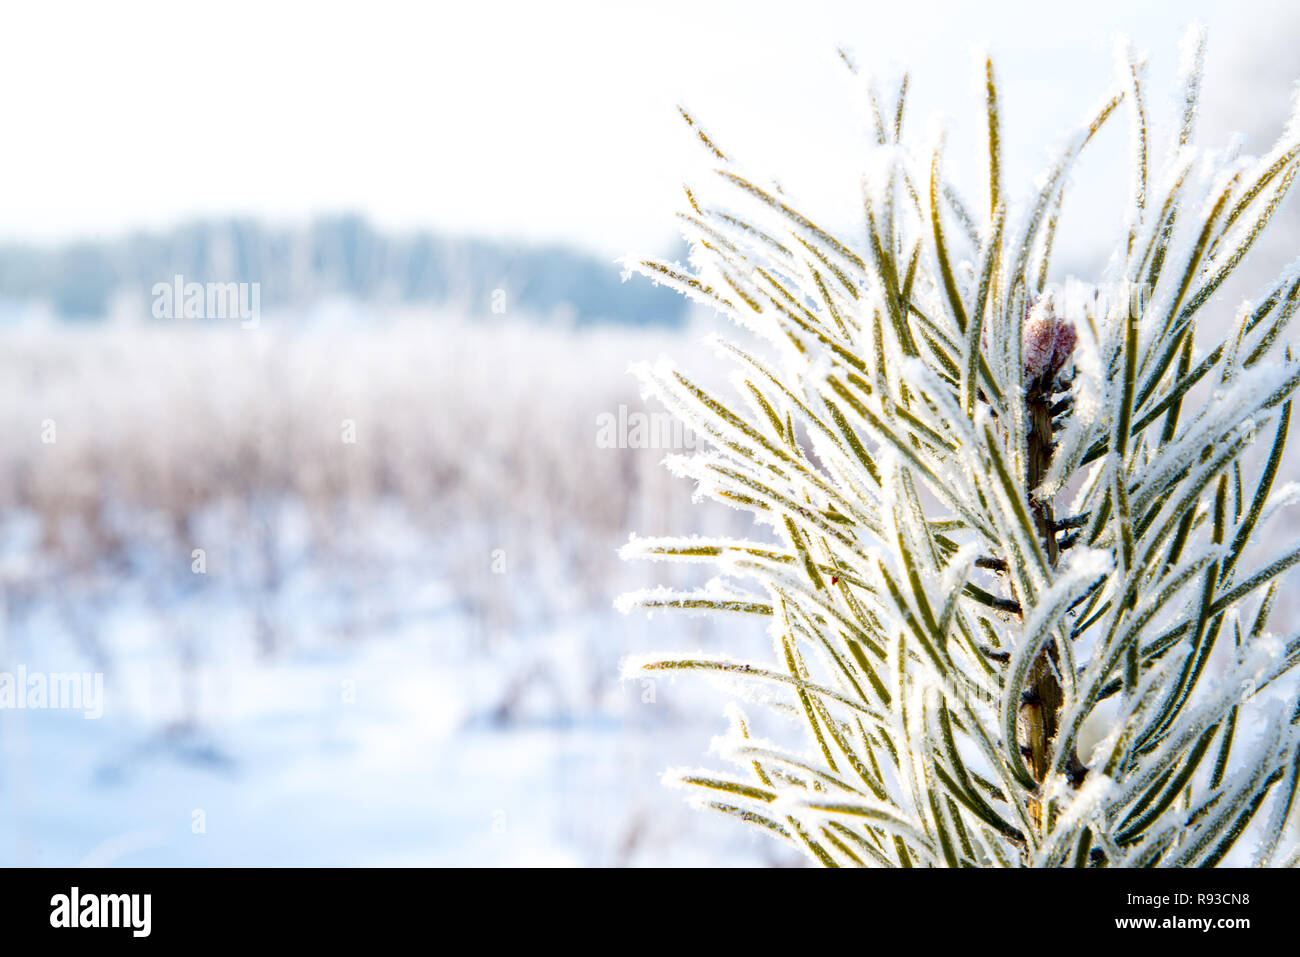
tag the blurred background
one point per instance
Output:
(344, 552)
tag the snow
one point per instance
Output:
(383, 750)
(349, 682)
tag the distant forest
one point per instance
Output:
(338, 257)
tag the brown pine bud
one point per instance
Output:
(1047, 341)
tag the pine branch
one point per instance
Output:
(919, 401)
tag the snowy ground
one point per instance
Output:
(351, 679)
(299, 778)
(418, 742)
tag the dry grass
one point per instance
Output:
(480, 437)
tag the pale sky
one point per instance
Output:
(548, 121)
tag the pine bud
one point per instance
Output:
(1047, 341)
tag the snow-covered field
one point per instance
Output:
(407, 743)
(397, 650)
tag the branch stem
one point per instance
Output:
(1043, 698)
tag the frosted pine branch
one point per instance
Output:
(1014, 582)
